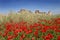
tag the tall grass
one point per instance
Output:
(28, 17)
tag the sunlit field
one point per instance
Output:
(29, 26)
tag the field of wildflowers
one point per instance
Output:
(30, 27)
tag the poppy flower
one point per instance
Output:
(57, 20)
(46, 27)
(17, 30)
(5, 33)
(16, 25)
(20, 30)
(10, 37)
(27, 32)
(36, 33)
(54, 27)
(33, 38)
(31, 26)
(36, 24)
(58, 38)
(47, 37)
(57, 30)
(22, 36)
(43, 30)
(30, 31)
(50, 35)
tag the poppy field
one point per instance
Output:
(30, 27)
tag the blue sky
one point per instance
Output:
(42, 5)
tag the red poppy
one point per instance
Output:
(50, 35)
(16, 31)
(54, 27)
(49, 21)
(16, 25)
(20, 30)
(47, 37)
(31, 26)
(46, 28)
(10, 37)
(36, 33)
(43, 30)
(22, 23)
(27, 32)
(33, 38)
(36, 24)
(22, 36)
(5, 33)
(23, 28)
(30, 31)
(58, 38)
(57, 30)
(8, 26)
(57, 20)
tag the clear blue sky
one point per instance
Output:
(42, 5)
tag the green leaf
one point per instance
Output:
(11, 33)
(18, 37)
(29, 35)
(39, 38)
(0, 37)
(5, 38)
(54, 39)
(40, 34)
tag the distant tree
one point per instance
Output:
(24, 11)
(37, 11)
(49, 13)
